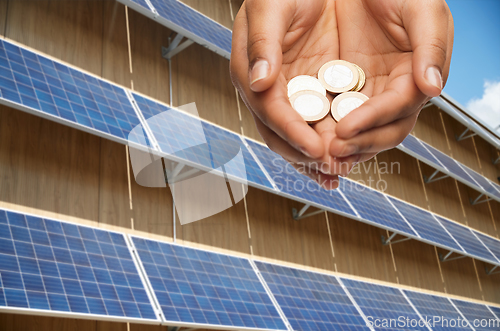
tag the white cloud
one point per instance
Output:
(488, 107)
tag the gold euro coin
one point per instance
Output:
(305, 83)
(311, 105)
(338, 76)
(362, 79)
(344, 103)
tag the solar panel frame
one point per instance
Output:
(77, 90)
(492, 244)
(73, 269)
(222, 50)
(166, 321)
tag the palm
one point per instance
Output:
(377, 42)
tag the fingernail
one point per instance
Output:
(304, 151)
(349, 150)
(259, 71)
(433, 76)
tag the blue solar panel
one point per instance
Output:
(451, 165)
(205, 288)
(425, 224)
(383, 306)
(413, 144)
(481, 180)
(311, 301)
(476, 313)
(193, 25)
(496, 311)
(289, 181)
(374, 207)
(65, 268)
(192, 139)
(43, 86)
(467, 240)
(438, 312)
(492, 244)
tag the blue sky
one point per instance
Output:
(475, 67)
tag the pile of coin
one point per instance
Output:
(307, 94)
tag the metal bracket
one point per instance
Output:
(175, 47)
(298, 215)
(390, 241)
(173, 328)
(478, 200)
(464, 135)
(497, 161)
(490, 272)
(447, 257)
(432, 178)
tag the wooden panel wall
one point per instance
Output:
(74, 174)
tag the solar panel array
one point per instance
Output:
(57, 268)
(447, 165)
(62, 268)
(205, 288)
(188, 22)
(48, 88)
(185, 138)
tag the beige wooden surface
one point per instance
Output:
(77, 176)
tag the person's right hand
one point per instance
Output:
(274, 41)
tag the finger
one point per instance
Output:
(375, 140)
(268, 22)
(273, 109)
(428, 27)
(401, 99)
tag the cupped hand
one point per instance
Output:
(404, 47)
(274, 41)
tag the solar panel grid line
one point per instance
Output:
(258, 162)
(414, 308)
(424, 145)
(46, 87)
(358, 308)
(142, 273)
(45, 289)
(200, 287)
(271, 295)
(144, 123)
(463, 167)
(151, 7)
(485, 246)
(408, 147)
(445, 229)
(402, 216)
(350, 204)
(491, 311)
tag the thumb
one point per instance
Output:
(430, 29)
(268, 22)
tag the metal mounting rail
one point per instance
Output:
(447, 257)
(175, 47)
(491, 271)
(298, 215)
(432, 178)
(390, 241)
(478, 200)
(464, 135)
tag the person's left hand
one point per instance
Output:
(404, 47)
